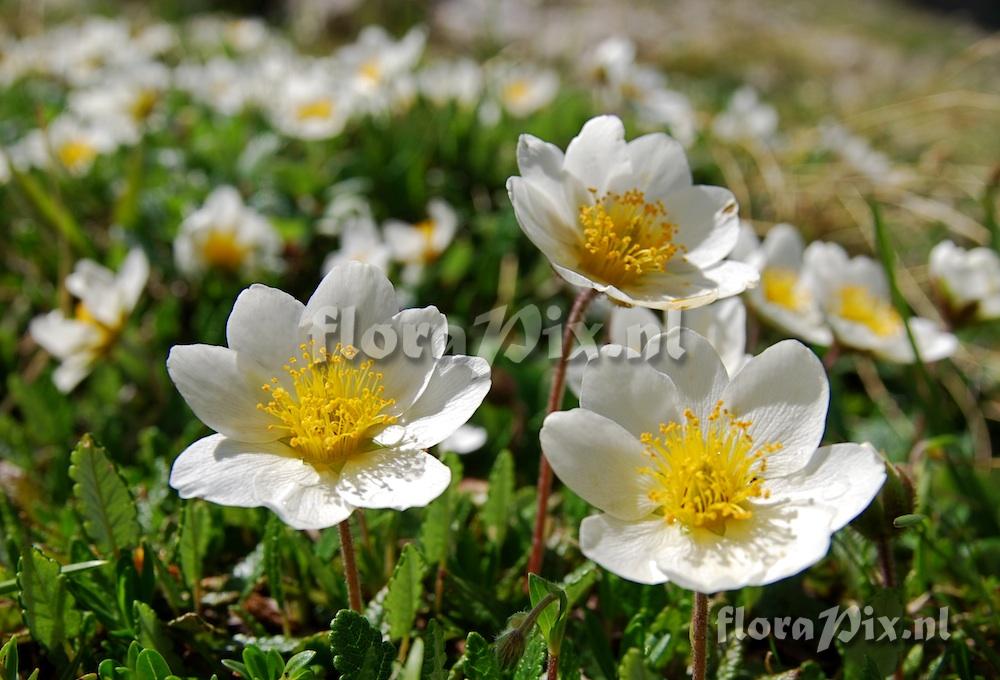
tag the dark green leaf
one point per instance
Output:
(47, 606)
(433, 667)
(104, 501)
(496, 511)
(359, 652)
(405, 589)
(480, 662)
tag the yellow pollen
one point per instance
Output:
(780, 288)
(335, 405)
(107, 333)
(222, 251)
(371, 70)
(426, 229)
(857, 304)
(317, 109)
(76, 154)
(625, 237)
(516, 90)
(143, 104)
(704, 474)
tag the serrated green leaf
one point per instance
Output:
(433, 667)
(107, 507)
(530, 665)
(48, 608)
(359, 652)
(404, 592)
(480, 662)
(10, 585)
(633, 667)
(436, 527)
(152, 634)
(496, 511)
(196, 536)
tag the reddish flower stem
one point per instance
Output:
(350, 565)
(699, 636)
(580, 304)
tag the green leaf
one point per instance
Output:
(434, 654)
(272, 559)
(47, 606)
(299, 664)
(633, 667)
(530, 665)
(151, 633)
(404, 592)
(10, 586)
(107, 507)
(359, 652)
(436, 527)
(480, 662)
(8, 659)
(151, 666)
(552, 619)
(496, 511)
(196, 536)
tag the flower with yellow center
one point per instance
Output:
(707, 481)
(76, 154)
(309, 103)
(226, 235)
(105, 301)
(522, 89)
(967, 281)
(379, 68)
(418, 244)
(67, 143)
(626, 220)
(324, 407)
(317, 109)
(854, 295)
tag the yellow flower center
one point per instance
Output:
(857, 304)
(704, 474)
(107, 333)
(371, 70)
(143, 104)
(516, 90)
(317, 109)
(780, 288)
(624, 237)
(335, 405)
(221, 250)
(76, 154)
(426, 229)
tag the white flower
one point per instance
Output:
(626, 219)
(124, 100)
(66, 142)
(310, 104)
(746, 118)
(314, 415)
(466, 439)
(708, 482)
(221, 83)
(785, 297)
(360, 241)
(522, 89)
(376, 65)
(227, 235)
(456, 80)
(347, 203)
(105, 301)
(80, 52)
(858, 153)
(854, 294)
(666, 107)
(967, 279)
(424, 241)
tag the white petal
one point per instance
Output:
(631, 550)
(221, 391)
(406, 242)
(597, 155)
(348, 301)
(783, 247)
(843, 477)
(698, 373)
(633, 327)
(393, 478)
(465, 439)
(659, 166)
(682, 286)
(732, 277)
(132, 277)
(544, 220)
(599, 460)
(541, 164)
(933, 343)
(707, 220)
(776, 542)
(784, 393)
(62, 337)
(419, 336)
(264, 326)
(724, 324)
(304, 500)
(619, 385)
(455, 390)
(72, 371)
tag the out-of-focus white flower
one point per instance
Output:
(424, 241)
(855, 297)
(457, 80)
(785, 297)
(967, 280)
(347, 203)
(244, 35)
(858, 153)
(746, 118)
(66, 142)
(522, 89)
(315, 420)
(466, 439)
(221, 83)
(4, 168)
(153, 40)
(225, 234)
(105, 302)
(708, 481)
(311, 18)
(626, 220)
(360, 241)
(124, 100)
(610, 63)
(80, 53)
(376, 65)
(310, 104)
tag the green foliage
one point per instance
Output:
(48, 607)
(359, 652)
(269, 665)
(195, 539)
(496, 511)
(104, 500)
(435, 659)
(405, 590)
(480, 662)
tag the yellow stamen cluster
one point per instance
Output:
(371, 70)
(107, 333)
(426, 229)
(317, 109)
(76, 154)
(857, 304)
(335, 406)
(780, 287)
(704, 474)
(222, 251)
(516, 90)
(624, 237)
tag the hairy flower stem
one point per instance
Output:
(553, 668)
(350, 565)
(699, 636)
(887, 562)
(580, 304)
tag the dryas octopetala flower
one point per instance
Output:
(324, 407)
(522, 89)
(423, 241)
(360, 241)
(626, 220)
(224, 234)
(309, 103)
(705, 481)
(105, 301)
(967, 281)
(855, 297)
(746, 118)
(785, 297)
(67, 142)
